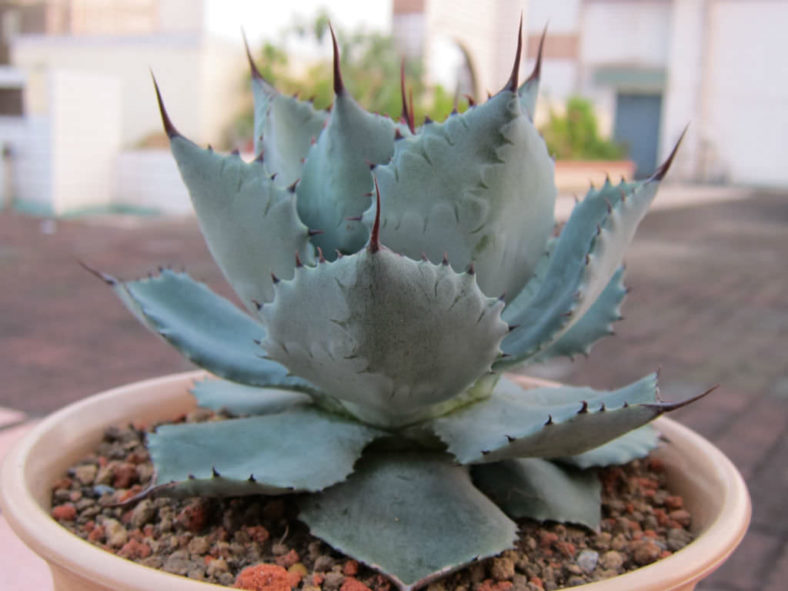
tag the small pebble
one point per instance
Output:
(645, 552)
(86, 474)
(333, 581)
(502, 569)
(587, 560)
(115, 532)
(612, 560)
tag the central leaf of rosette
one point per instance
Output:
(388, 336)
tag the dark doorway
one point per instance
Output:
(637, 127)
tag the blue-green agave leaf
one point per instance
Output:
(336, 182)
(587, 255)
(477, 187)
(284, 129)
(546, 422)
(542, 490)
(206, 328)
(630, 446)
(387, 335)
(299, 450)
(522, 300)
(413, 517)
(250, 224)
(240, 399)
(596, 323)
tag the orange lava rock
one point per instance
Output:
(674, 502)
(66, 512)
(193, 517)
(265, 577)
(536, 581)
(135, 549)
(126, 495)
(352, 584)
(490, 585)
(124, 475)
(350, 568)
(547, 538)
(566, 548)
(97, 534)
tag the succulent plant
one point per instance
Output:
(391, 275)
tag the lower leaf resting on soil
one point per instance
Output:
(391, 274)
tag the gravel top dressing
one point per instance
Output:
(256, 542)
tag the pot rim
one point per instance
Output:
(36, 528)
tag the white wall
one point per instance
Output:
(746, 92)
(684, 86)
(85, 119)
(615, 32)
(193, 71)
(149, 179)
(31, 161)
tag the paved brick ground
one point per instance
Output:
(709, 306)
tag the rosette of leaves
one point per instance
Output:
(391, 274)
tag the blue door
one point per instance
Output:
(637, 127)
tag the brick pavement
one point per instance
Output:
(709, 306)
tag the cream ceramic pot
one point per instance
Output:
(713, 491)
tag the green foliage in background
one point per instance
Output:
(575, 134)
(370, 70)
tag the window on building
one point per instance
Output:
(11, 103)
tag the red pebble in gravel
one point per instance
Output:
(566, 548)
(674, 502)
(134, 549)
(66, 512)
(547, 538)
(265, 577)
(97, 534)
(193, 517)
(351, 584)
(288, 560)
(350, 568)
(124, 475)
(490, 585)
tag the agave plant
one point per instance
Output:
(391, 275)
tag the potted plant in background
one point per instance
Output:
(392, 274)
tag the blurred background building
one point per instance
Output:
(79, 127)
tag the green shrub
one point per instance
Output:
(575, 134)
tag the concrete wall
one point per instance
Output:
(149, 179)
(199, 77)
(85, 119)
(29, 171)
(745, 120)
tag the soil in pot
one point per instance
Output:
(258, 543)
